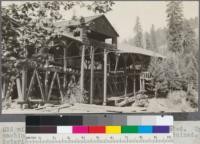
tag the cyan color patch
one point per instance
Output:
(145, 129)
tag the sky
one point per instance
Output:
(124, 13)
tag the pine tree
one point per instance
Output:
(153, 39)
(148, 41)
(138, 39)
(175, 26)
(189, 38)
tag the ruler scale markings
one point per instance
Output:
(108, 139)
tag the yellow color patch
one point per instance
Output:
(113, 129)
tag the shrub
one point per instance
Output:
(192, 98)
(177, 97)
(74, 94)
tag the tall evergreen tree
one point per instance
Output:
(190, 47)
(138, 39)
(189, 38)
(148, 41)
(153, 38)
(175, 26)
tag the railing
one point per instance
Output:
(146, 75)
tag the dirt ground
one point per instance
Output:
(156, 105)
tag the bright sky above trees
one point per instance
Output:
(124, 14)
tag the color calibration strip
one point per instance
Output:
(99, 129)
(95, 120)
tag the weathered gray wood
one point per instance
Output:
(140, 84)
(134, 84)
(82, 69)
(19, 90)
(105, 78)
(24, 84)
(60, 89)
(114, 41)
(134, 73)
(126, 84)
(46, 88)
(92, 75)
(101, 45)
(40, 85)
(126, 101)
(117, 61)
(65, 63)
(51, 86)
(24, 79)
(125, 57)
(31, 83)
(4, 89)
(65, 67)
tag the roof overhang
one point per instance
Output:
(125, 48)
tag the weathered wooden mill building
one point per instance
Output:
(87, 53)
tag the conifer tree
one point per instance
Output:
(138, 39)
(153, 38)
(148, 41)
(175, 26)
(189, 38)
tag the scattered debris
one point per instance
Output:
(141, 99)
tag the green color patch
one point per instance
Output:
(129, 129)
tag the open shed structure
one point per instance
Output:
(90, 56)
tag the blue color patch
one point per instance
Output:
(145, 129)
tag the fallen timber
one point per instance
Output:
(122, 100)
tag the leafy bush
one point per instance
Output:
(74, 94)
(192, 98)
(173, 73)
(177, 97)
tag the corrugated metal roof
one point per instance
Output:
(126, 48)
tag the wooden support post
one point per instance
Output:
(140, 83)
(117, 61)
(143, 84)
(46, 80)
(23, 97)
(114, 41)
(134, 83)
(31, 83)
(125, 71)
(134, 75)
(82, 69)
(65, 67)
(65, 64)
(40, 86)
(126, 84)
(60, 89)
(105, 78)
(51, 86)
(19, 90)
(92, 75)
(3, 89)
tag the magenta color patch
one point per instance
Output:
(80, 129)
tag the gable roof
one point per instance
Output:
(88, 20)
(77, 21)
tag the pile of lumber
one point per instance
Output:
(122, 100)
